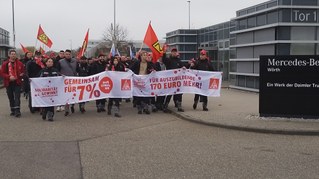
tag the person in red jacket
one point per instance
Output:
(12, 72)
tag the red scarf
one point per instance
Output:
(38, 61)
(113, 69)
(12, 69)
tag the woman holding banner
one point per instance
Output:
(142, 67)
(201, 64)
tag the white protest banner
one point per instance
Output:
(54, 91)
(178, 81)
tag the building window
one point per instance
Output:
(285, 2)
(250, 82)
(226, 33)
(272, 17)
(285, 15)
(261, 20)
(242, 24)
(251, 10)
(232, 53)
(251, 22)
(283, 33)
(302, 49)
(241, 81)
(261, 7)
(233, 66)
(272, 4)
(282, 49)
(241, 13)
(317, 49)
(221, 44)
(303, 33)
(227, 44)
(220, 34)
(305, 2)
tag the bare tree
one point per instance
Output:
(117, 34)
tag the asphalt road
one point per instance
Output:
(93, 146)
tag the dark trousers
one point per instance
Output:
(32, 109)
(176, 98)
(116, 102)
(142, 103)
(26, 85)
(100, 104)
(202, 98)
(142, 100)
(160, 102)
(47, 110)
(14, 92)
(81, 105)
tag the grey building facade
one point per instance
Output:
(4, 47)
(185, 40)
(275, 27)
(4, 44)
(214, 39)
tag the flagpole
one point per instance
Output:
(141, 46)
(35, 47)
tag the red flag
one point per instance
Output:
(41, 50)
(43, 37)
(84, 45)
(151, 41)
(24, 49)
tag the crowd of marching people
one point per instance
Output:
(17, 74)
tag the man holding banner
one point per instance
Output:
(68, 67)
(173, 62)
(201, 64)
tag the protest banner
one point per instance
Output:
(178, 81)
(56, 91)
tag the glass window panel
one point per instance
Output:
(226, 44)
(241, 81)
(304, 2)
(302, 49)
(285, 2)
(261, 7)
(251, 10)
(226, 33)
(220, 34)
(285, 15)
(232, 80)
(272, 4)
(272, 17)
(250, 82)
(232, 53)
(303, 33)
(243, 24)
(261, 20)
(283, 33)
(282, 49)
(251, 22)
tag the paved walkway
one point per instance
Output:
(82, 146)
(237, 109)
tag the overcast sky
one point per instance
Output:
(66, 21)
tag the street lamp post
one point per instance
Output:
(114, 23)
(189, 14)
(14, 31)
